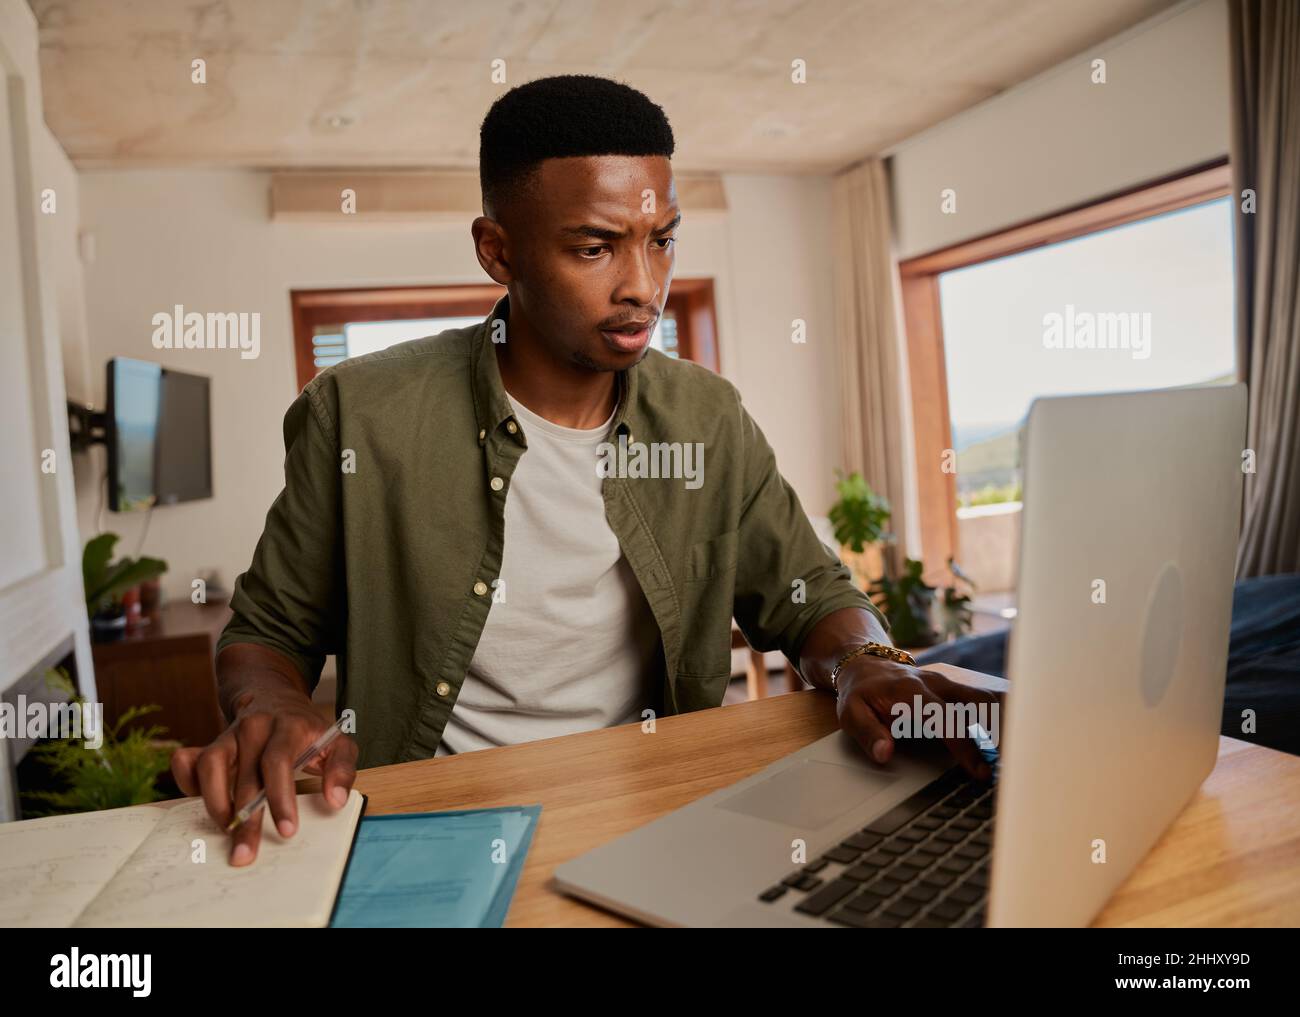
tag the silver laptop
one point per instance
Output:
(1117, 661)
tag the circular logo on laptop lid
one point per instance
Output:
(1162, 634)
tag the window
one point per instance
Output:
(1152, 300)
(665, 334)
(334, 343)
(1134, 292)
(332, 325)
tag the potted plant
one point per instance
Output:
(123, 771)
(107, 582)
(858, 519)
(907, 604)
(954, 606)
(918, 614)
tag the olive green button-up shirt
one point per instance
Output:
(384, 542)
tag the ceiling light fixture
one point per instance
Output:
(338, 121)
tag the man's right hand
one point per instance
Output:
(270, 731)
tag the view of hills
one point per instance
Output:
(988, 456)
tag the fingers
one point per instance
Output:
(246, 839)
(337, 768)
(958, 691)
(960, 744)
(994, 702)
(252, 735)
(184, 769)
(870, 733)
(872, 707)
(340, 770)
(283, 747)
(213, 772)
(256, 752)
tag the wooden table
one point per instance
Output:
(1231, 859)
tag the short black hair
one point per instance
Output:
(561, 116)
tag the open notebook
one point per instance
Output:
(137, 867)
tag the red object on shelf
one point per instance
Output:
(150, 595)
(131, 607)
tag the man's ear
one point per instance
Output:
(491, 248)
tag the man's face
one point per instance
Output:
(590, 246)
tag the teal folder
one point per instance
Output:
(435, 869)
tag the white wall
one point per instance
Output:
(781, 251)
(203, 239)
(1059, 140)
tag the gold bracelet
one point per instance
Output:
(875, 650)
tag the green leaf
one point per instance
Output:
(908, 605)
(123, 771)
(94, 561)
(124, 575)
(859, 516)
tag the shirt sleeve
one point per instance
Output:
(787, 580)
(291, 599)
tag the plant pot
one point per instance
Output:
(109, 625)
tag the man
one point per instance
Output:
(537, 525)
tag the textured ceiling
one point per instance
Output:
(385, 83)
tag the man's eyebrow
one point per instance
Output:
(587, 231)
(671, 226)
(596, 232)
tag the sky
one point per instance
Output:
(1177, 267)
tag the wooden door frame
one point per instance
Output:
(311, 308)
(697, 325)
(923, 321)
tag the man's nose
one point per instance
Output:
(638, 284)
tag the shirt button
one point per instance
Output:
(480, 588)
(482, 434)
(512, 427)
(497, 483)
(443, 688)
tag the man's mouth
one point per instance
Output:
(631, 336)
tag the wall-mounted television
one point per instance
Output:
(159, 437)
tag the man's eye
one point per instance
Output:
(592, 252)
(665, 242)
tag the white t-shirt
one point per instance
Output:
(570, 644)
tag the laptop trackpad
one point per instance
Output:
(809, 794)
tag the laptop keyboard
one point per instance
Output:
(924, 864)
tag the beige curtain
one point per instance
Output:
(1265, 53)
(876, 419)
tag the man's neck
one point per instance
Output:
(566, 394)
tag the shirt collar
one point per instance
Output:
(492, 406)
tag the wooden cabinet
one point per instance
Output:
(169, 662)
